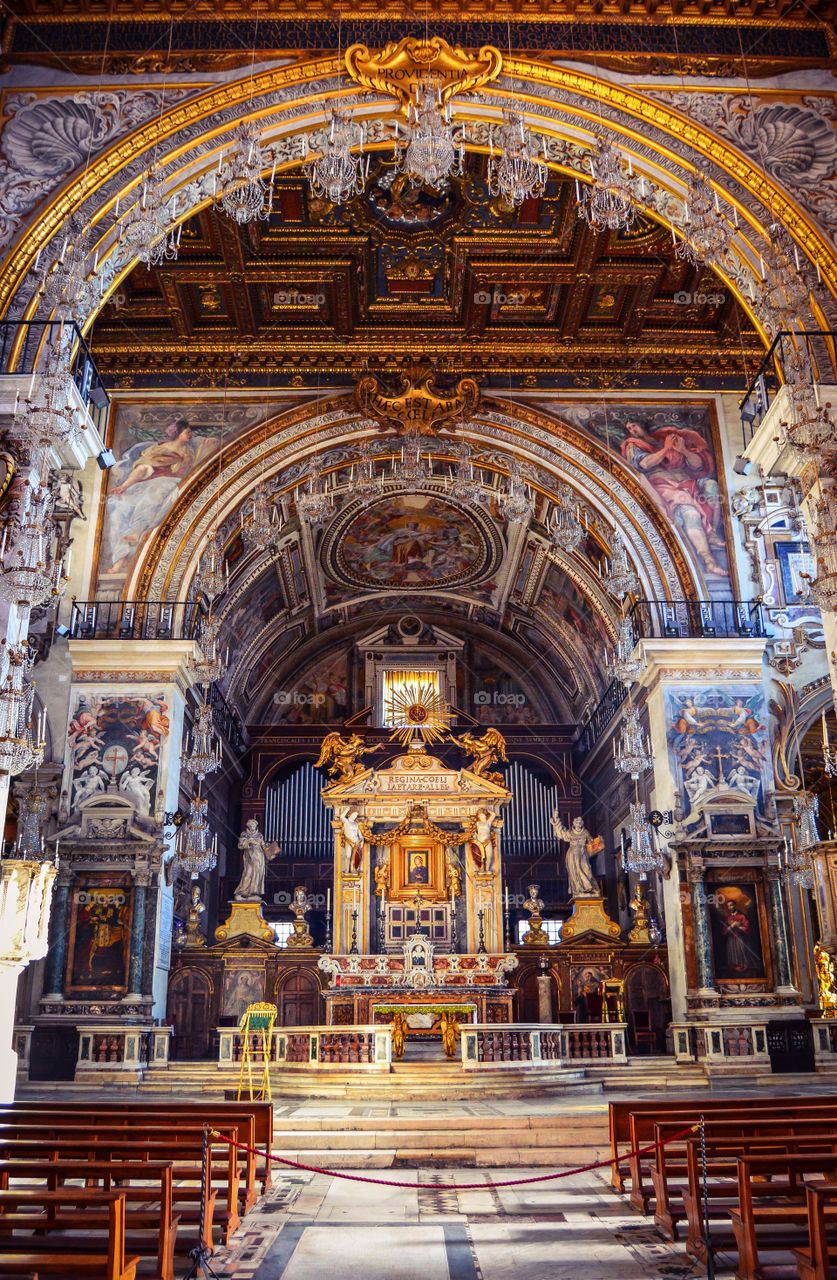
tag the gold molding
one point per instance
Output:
(400, 67)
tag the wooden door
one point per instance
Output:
(646, 988)
(299, 1000)
(189, 1012)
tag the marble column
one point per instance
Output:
(544, 998)
(703, 942)
(57, 956)
(781, 950)
(135, 964)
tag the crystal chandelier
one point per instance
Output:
(565, 529)
(516, 504)
(364, 483)
(34, 806)
(639, 853)
(335, 174)
(608, 203)
(196, 849)
(239, 186)
(261, 528)
(632, 750)
(784, 288)
(213, 572)
(795, 861)
(619, 576)
(812, 429)
(49, 418)
(314, 504)
(707, 234)
(203, 754)
(806, 807)
(430, 152)
(65, 285)
(622, 665)
(829, 755)
(520, 173)
(824, 540)
(19, 748)
(26, 575)
(467, 486)
(149, 230)
(412, 470)
(210, 666)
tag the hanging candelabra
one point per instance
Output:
(260, 528)
(431, 151)
(515, 501)
(335, 174)
(619, 577)
(824, 545)
(49, 417)
(210, 666)
(412, 470)
(784, 286)
(640, 854)
(796, 864)
(811, 431)
(203, 752)
(707, 234)
(64, 286)
(520, 172)
(314, 503)
(806, 807)
(242, 192)
(364, 483)
(21, 745)
(34, 806)
(213, 571)
(632, 749)
(608, 202)
(149, 229)
(465, 482)
(622, 664)
(196, 848)
(566, 531)
(829, 754)
(28, 576)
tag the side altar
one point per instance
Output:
(418, 893)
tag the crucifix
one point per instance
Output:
(721, 756)
(115, 759)
(417, 904)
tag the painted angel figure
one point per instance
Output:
(582, 882)
(342, 756)
(352, 837)
(88, 783)
(136, 785)
(485, 752)
(255, 855)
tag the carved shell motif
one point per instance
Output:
(799, 146)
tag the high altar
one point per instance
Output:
(417, 892)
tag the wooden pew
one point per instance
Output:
(182, 1144)
(619, 1114)
(191, 1198)
(151, 1217)
(214, 1113)
(45, 1253)
(818, 1260)
(772, 1208)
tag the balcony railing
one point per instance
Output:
(821, 346)
(23, 342)
(134, 620)
(612, 699)
(697, 619)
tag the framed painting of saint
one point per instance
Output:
(418, 866)
(100, 938)
(736, 932)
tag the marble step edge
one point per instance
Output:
(459, 1157)
(432, 1137)
(400, 1124)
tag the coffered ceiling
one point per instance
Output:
(525, 298)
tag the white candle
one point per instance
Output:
(328, 901)
(824, 732)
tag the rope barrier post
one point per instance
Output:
(201, 1253)
(710, 1252)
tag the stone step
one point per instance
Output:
(573, 1123)
(457, 1157)
(434, 1138)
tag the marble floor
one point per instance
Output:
(433, 1228)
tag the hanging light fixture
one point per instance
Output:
(795, 862)
(240, 189)
(314, 504)
(829, 754)
(149, 229)
(64, 286)
(364, 483)
(806, 807)
(413, 468)
(784, 286)
(261, 528)
(707, 234)
(212, 576)
(608, 202)
(335, 174)
(619, 577)
(196, 849)
(566, 531)
(27, 575)
(34, 806)
(811, 430)
(632, 749)
(210, 666)
(203, 754)
(431, 151)
(49, 417)
(516, 504)
(622, 665)
(466, 484)
(20, 747)
(520, 172)
(639, 853)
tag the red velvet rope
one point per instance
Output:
(458, 1186)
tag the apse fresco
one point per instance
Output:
(498, 698)
(717, 737)
(321, 696)
(411, 542)
(563, 604)
(672, 448)
(158, 448)
(116, 739)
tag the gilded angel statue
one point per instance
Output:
(342, 756)
(485, 752)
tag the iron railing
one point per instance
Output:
(227, 721)
(134, 620)
(821, 346)
(697, 619)
(23, 342)
(610, 702)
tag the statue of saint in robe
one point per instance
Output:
(255, 855)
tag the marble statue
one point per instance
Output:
(193, 936)
(381, 873)
(484, 840)
(352, 837)
(453, 873)
(699, 781)
(255, 855)
(582, 881)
